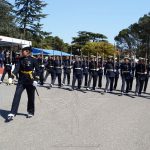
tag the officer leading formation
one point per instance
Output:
(29, 72)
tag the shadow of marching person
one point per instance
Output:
(4, 114)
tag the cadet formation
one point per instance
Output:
(76, 72)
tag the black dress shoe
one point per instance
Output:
(29, 115)
(9, 118)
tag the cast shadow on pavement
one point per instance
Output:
(4, 113)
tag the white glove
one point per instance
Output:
(42, 66)
(35, 83)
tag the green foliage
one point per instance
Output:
(136, 38)
(29, 14)
(84, 37)
(98, 47)
(7, 25)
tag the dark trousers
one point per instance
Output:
(131, 83)
(145, 83)
(85, 76)
(139, 85)
(125, 82)
(68, 78)
(4, 73)
(94, 76)
(109, 81)
(57, 75)
(31, 96)
(77, 77)
(100, 81)
(116, 82)
(42, 77)
(47, 74)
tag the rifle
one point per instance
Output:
(103, 60)
(97, 60)
(114, 57)
(88, 59)
(114, 61)
(146, 61)
(71, 57)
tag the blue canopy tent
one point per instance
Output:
(37, 51)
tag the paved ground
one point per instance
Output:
(75, 120)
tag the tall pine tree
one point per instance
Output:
(7, 25)
(29, 14)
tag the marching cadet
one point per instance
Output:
(77, 72)
(100, 71)
(41, 66)
(27, 80)
(125, 75)
(16, 60)
(140, 73)
(116, 70)
(7, 67)
(57, 70)
(85, 70)
(109, 73)
(132, 74)
(147, 78)
(93, 67)
(67, 65)
(49, 69)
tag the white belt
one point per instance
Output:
(125, 71)
(93, 69)
(141, 73)
(78, 68)
(109, 70)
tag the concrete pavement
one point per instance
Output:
(75, 120)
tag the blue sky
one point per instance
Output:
(67, 17)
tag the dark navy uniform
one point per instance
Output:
(140, 74)
(16, 60)
(132, 75)
(93, 67)
(110, 75)
(67, 65)
(57, 71)
(116, 70)
(7, 68)
(85, 72)
(77, 73)
(41, 68)
(25, 68)
(126, 76)
(147, 77)
(100, 73)
(49, 69)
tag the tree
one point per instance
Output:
(98, 47)
(136, 37)
(7, 25)
(84, 37)
(29, 13)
